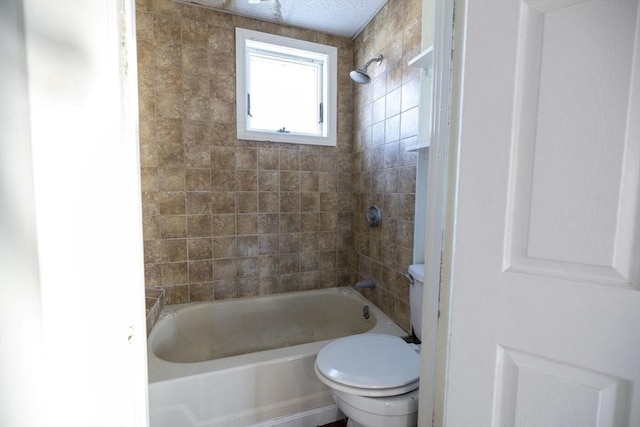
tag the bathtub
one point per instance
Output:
(249, 361)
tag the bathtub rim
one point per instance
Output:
(162, 370)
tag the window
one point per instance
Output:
(286, 89)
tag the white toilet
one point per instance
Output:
(373, 377)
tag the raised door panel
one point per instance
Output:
(575, 159)
(536, 391)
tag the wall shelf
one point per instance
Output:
(423, 60)
(419, 147)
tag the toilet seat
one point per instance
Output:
(372, 365)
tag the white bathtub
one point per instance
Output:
(249, 361)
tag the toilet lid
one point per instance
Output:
(369, 361)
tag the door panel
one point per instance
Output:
(545, 312)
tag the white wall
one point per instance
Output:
(73, 329)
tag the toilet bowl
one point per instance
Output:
(373, 377)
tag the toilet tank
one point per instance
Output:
(416, 271)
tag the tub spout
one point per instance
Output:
(369, 283)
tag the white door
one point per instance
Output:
(72, 322)
(545, 314)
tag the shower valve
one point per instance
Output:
(374, 216)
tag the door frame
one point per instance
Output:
(440, 207)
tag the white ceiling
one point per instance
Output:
(344, 18)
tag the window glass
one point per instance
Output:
(284, 94)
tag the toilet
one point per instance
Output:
(374, 377)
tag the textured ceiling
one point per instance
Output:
(344, 18)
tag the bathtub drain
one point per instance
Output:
(365, 312)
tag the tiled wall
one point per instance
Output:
(226, 218)
(386, 122)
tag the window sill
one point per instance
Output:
(286, 138)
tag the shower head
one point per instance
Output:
(360, 75)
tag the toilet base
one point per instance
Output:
(394, 411)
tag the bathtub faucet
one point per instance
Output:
(369, 283)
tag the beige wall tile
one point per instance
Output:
(247, 224)
(199, 226)
(246, 158)
(289, 222)
(223, 158)
(200, 271)
(268, 267)
(288, 263)
(198, 203)
(289, 243)
(174, 273)
(166, 29)
(199, 249)
(309, 222)
(268, 202)
(223, 225)
(268, 244)
(153, 274)
(289, 202)
(246, 246)
(173, 227)
(223, 247)
(246, 180)
(268, 180)
(290, 160)
(223, 180)
(224, 269)
(309, 241)
(289, 181)
(268, 159)
(194, 31)
(176, 294)
(200, 292)
(224, 289)
(152, 251)
(172, 203)
(174, 250)
(246, 202)
(223, 202)
(310, 202)
(150, 227)
(247, 267)
(170, 179)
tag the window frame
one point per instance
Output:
(329, 101)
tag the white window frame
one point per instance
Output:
(329, 54)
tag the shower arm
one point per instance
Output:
(369, 62)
